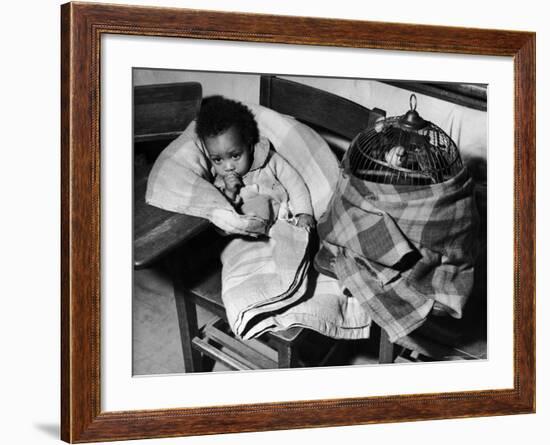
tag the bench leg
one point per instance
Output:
(187, 317)
(387, 351)
(287, 356)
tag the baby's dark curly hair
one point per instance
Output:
(218, 114)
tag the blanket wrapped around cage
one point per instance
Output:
(399, 249)
(398, 243)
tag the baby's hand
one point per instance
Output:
(306, 221)
(233, 182)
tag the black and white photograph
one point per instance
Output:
(295, 222)
(276, 222)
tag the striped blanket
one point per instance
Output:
(264, 275)
(399, 248)
(181, 178)
(181, 181)
(266, 284)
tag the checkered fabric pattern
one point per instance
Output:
(263, 276)
(267, 284)
(181, 180)
(398, 249)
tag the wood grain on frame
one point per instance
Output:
(82, 26)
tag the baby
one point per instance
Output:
(253, 177)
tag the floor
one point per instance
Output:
(157, 347)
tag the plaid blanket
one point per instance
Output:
(400, 248)
(181, 178)
(264, 275)
(267, 284)
(181, 181)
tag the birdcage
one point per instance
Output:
(403, 150)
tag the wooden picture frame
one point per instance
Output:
(81, 414)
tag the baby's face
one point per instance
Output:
(228, 153)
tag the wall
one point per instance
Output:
(467, 127)
(244, 87)
(29, 326)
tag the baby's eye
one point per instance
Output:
(236, 156)
(216, 160)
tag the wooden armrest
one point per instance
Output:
(160, 232)
(156, 231)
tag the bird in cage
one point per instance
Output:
(403, 150)
(396, 156)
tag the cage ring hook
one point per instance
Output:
(412, 102)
